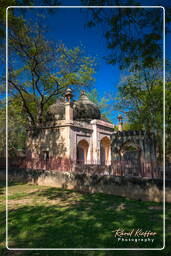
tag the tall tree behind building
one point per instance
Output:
(140, 99)
(39, 72)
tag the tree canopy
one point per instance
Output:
(40, 71)
(17, 125)
(140, 99)
(12, 18)
(134, 38)
(133, 35)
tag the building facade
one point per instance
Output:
(75, 138)
(74, 134)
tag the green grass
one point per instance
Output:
(45, 217)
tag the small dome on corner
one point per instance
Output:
(56, 111)
(85, 110)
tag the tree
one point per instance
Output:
(133, 35)
(134, 39)
(17, 125)
(40, 71)
(12, 18)
(140, 99)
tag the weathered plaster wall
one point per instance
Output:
(143, 140)
(60, 139)
(51, 139)
(142, 161)
(80, 131)
(134, 188)
(55, 141)
(101, 129)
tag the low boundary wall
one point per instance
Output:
(131, 187)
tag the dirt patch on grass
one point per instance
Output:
(38, 200)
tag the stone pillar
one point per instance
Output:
(68, 112)
(68, 106)
(96, 147)
(68, 122)
(120, 125)
(109, 156)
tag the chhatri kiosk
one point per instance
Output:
(73, 134)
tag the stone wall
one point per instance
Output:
(134, 153)
(144, 142)
(131, 187)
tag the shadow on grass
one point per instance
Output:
(3, 185)
(82, 220)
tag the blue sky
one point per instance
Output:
(68, 25)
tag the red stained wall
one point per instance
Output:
(53, 163)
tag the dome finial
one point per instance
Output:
(83, 92)
(68, 94)
(120, 118)
(83, 95)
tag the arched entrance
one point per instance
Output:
(82, 151)
(130, 156)
(105, 151)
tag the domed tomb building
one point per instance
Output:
(74, 134)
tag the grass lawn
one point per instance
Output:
(46, 217)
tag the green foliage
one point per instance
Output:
(168, 120)
(75, 69)
(12, 18)
(40, 71)
(132, 126)
(140, 98)
(16, 126)
(134, 37)
(131, 34)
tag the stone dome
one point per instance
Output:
(56, 111)
(83, 110)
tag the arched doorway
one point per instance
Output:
(130, 156)
(82, 151)
(105, 151)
